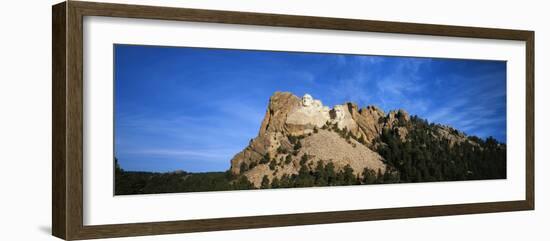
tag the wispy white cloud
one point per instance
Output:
(391, 84)
(402, 81)
(446, 110)
(410, 84)
(352, 88)
(213, 154)
(476, 109)
(404, 77)
(215, 136)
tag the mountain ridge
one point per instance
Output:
(351, 132)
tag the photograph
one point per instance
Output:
(194, 119)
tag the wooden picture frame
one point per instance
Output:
(67, 124)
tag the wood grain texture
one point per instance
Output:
(530, 120)
(155, 228)
(59, 191)
(74, 121)
(279, 20)
(67, 154)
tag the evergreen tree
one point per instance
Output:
(266, 158)
(369, 176)
(348, 177)
(272, 164)
(304, 159)
(242, 184)
(297, 146)
(275, 183)
(288, 159)
(265, 182)
(330, 173)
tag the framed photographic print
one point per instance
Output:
(171, 120)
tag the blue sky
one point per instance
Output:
(193, 109)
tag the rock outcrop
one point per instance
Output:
(345, 135)
(289, 117)
(368, 120)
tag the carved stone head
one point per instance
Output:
(317, 103)
(307, 100)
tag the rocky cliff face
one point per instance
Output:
(301, 132)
